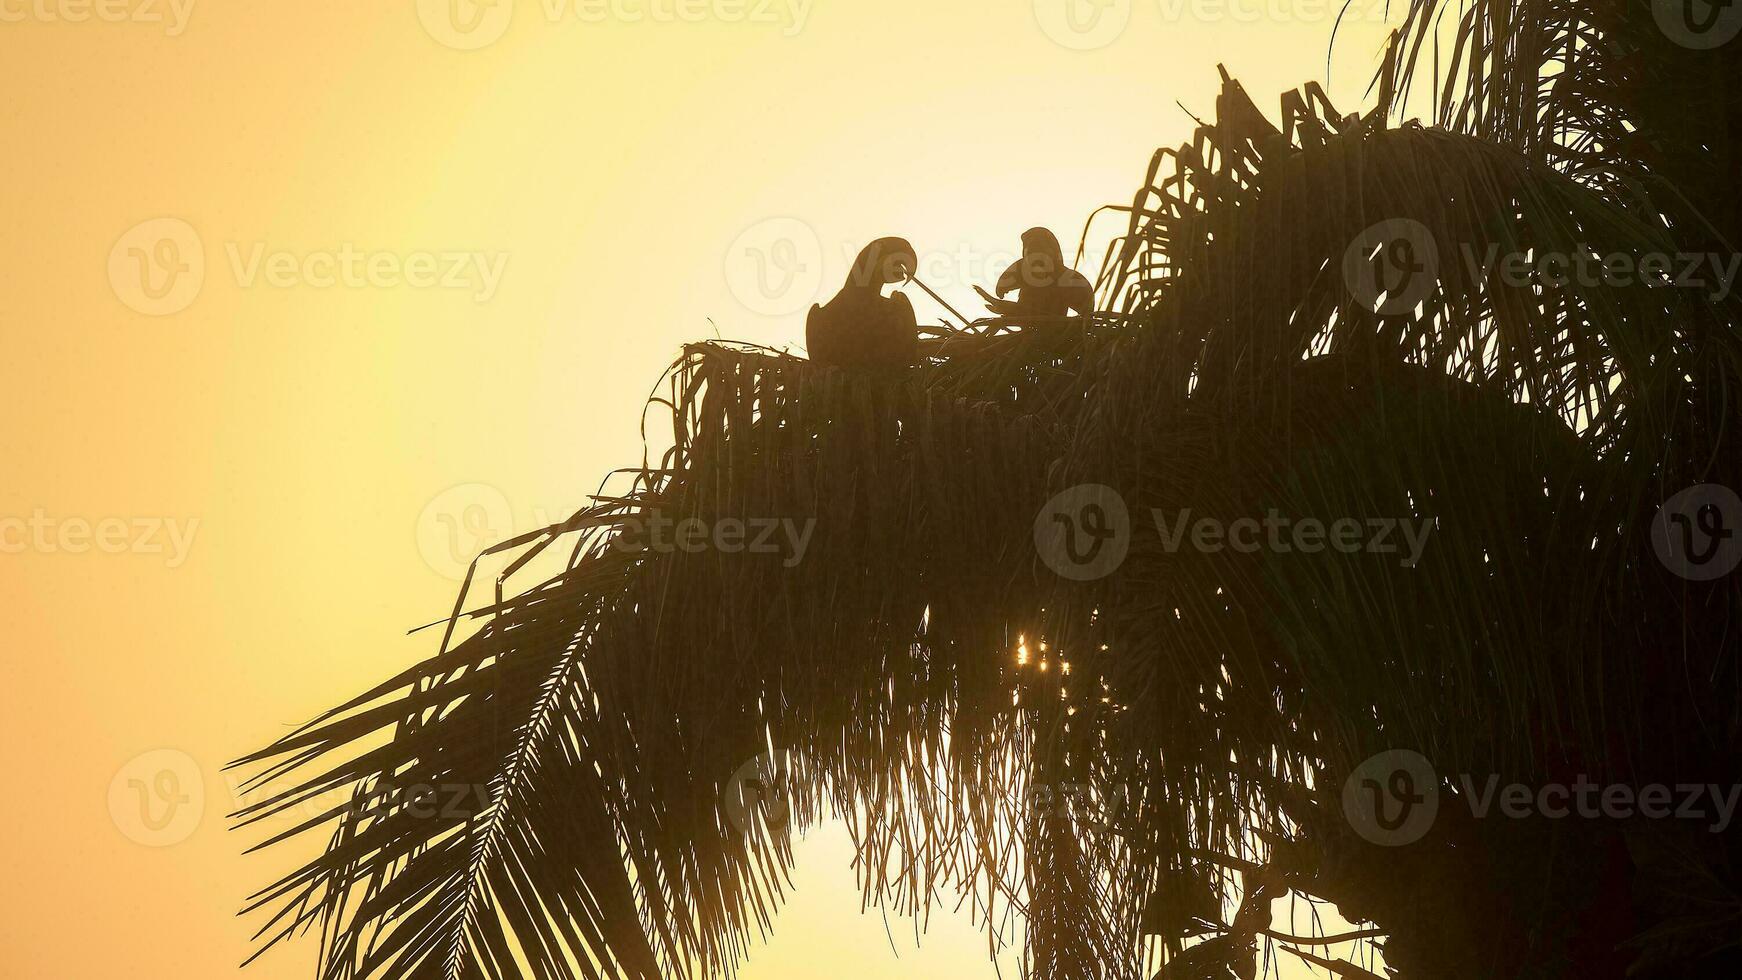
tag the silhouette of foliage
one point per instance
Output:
(923, 675)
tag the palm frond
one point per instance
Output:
(919, 673)
(1611, 93)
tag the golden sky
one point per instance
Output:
(305, 301)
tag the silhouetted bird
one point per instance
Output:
(1044, 285)
(860, 327)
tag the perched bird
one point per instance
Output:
(1044, 285)
(860, 327)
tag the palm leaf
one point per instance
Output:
(601, 711)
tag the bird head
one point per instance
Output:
(884, 262)
(1040, 241)
(1042, 258)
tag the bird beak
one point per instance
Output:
(907, 263)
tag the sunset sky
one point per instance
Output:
(306, 302)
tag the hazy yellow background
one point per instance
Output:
(627, 172)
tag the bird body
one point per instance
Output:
(861, 328)
(1044, 285)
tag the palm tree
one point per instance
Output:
(1136, 765)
